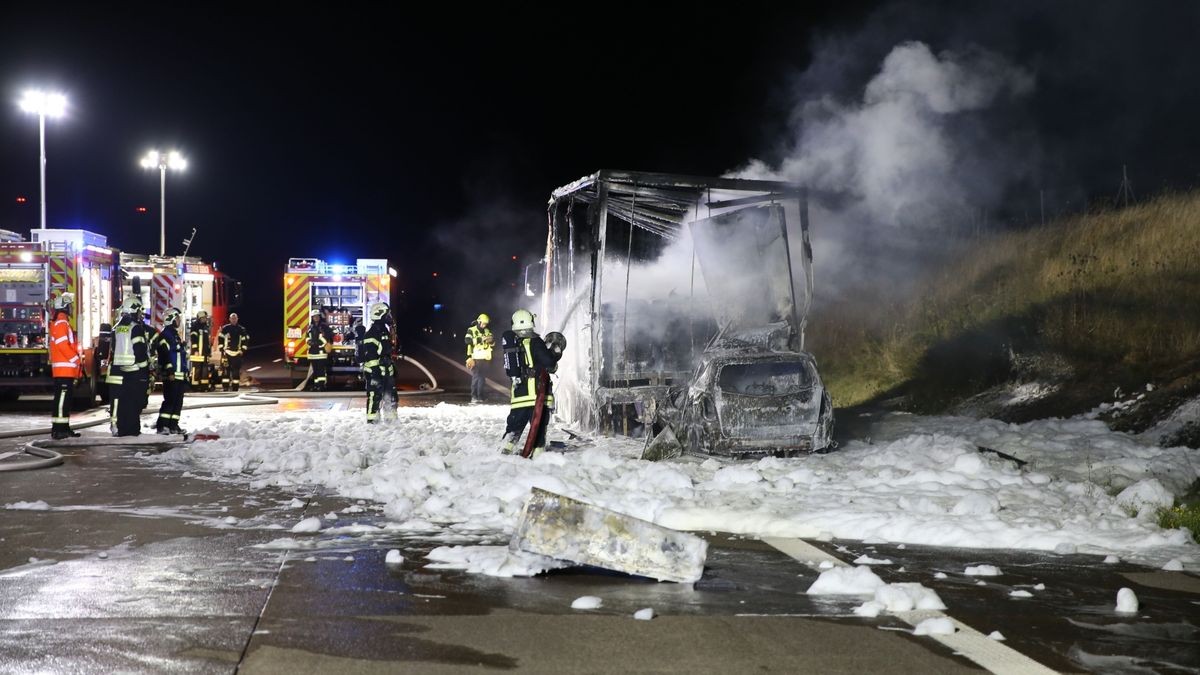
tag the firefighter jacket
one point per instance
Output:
(64, 352)
(199, 341)
(131, 348)
(172, 357)
(234, 340)
(377, 350)
(320, 340)
(537, 359)
(479, 343)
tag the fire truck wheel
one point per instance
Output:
(84, 396)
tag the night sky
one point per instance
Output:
(434, 137)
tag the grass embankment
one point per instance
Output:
(1114, 292)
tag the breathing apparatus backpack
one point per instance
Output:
(515, 365)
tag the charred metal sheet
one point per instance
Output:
(568, 529)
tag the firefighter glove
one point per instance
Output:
(470, 363)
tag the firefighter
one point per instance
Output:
(234, 340)
(64, 366)
(173, 369)
(480, 343)
(320, 343)
(378, 369)
(130, 369)
(200, 350)
(528, 360)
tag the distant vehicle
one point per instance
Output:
(684, 308)
(32, 275)
(344, 294)
(187, 283)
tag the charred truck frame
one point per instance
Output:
(685, 305)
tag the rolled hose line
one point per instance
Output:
(46, 457)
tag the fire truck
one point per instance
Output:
(184, 282)
(187, 283)
(344, 293)
(34, 273)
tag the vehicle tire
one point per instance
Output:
(84, 396)
(297, 376)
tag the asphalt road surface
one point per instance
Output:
(138, 567)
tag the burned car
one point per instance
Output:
(745, 404)
(686, 304)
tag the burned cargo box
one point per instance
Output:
(685, 302)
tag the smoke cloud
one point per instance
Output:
(914, 153)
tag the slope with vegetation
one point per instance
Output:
(1073, 311)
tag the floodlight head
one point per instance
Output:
(176, 161)
(42, 103)
(150, 161)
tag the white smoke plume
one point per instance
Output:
(915, 156)
(908, 150)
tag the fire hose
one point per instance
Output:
(47, 456)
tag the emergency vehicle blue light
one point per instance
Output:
(437, 306)
(337, 269)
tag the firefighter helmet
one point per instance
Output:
(202, 315)
(315, 314)
(522, 320)
(483, 319)
(65, 300)
(171, 317)
(379, 310)
(131, 305)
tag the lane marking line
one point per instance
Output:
(490, 382)
(993, 655)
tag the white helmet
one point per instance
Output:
(65, 300)
(379, 310)
(522, 320)
(171, 317)
(131, 305)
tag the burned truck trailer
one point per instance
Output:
(685, 303)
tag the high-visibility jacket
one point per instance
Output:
(172, 357)
(376, 352)
(479, 343)
(199, 342)
(320, 336)
(131, 343)
(234, 339)
(541, 360)
(64, 352)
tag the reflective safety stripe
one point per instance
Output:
(65, 364)
(60, 420)
(370, 364)
(60, 339)
(319, 356)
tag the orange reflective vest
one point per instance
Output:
(64, 353)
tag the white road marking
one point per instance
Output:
(6, 455)
(489, 381)
(988, 653)
(804, 552)
(276, 360)
(251, 370)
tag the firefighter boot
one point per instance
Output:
(510, 444)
